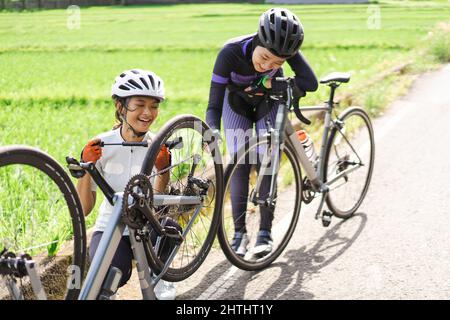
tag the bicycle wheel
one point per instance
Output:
(196, 171)
(41, 215)
(238, 209)
(349, 160)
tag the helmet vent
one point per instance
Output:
(144, 82)
(151, 81)
(134, 83)
(263, 34)
(124, 88)
(290, 43)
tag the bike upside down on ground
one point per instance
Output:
(38, 197)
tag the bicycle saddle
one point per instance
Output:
(341, 77)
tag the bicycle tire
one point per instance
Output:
(224, 241)
(29, 157)
(332, 198)
(192, 124)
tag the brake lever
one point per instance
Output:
(298, 113)
(297, 93)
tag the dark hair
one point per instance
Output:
(119, 121)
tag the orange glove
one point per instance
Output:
(92, 151)
(163, 158)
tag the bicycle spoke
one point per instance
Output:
(285, 210)
(192, 173)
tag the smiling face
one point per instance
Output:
(264, 60)
(142, 112)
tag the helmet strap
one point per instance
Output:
(136, 134)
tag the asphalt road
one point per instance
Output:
(395, 247)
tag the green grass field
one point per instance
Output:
(55, 81)
(62, 77)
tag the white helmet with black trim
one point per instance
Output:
(137, 82)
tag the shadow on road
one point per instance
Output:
(304, 263)
(301, 263)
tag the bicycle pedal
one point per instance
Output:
(326, 218)
(270, 204)
(173, 233)
(74, 168)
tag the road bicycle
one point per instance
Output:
(264, 186)
(192, 198)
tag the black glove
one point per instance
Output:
(279, 86)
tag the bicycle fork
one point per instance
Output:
(270, 162)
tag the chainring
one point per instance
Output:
(307, 191)
(138, 188)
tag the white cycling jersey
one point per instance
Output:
(117, 165)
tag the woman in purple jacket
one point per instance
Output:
(244, 72)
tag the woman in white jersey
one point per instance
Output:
(137, 95)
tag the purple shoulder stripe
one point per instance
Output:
(219, 79)
(244, 47)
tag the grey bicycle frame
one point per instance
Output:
(110, 241)
(315, 173)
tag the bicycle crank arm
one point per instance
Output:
(143, 208)
(167, 231)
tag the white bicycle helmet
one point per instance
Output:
(137, 82)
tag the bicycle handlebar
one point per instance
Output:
(294, 94)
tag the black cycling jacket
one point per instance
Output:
(234, 66)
